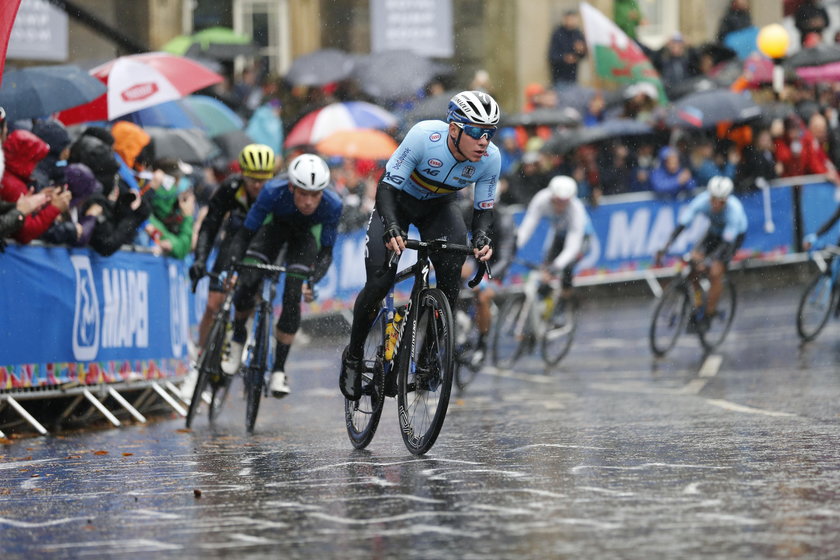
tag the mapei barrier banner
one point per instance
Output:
(71, 315)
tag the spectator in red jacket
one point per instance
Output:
(798, 152)
(23, 150)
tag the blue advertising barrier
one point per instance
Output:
(818, 203)
(70, 315)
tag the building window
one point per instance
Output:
(267, 22)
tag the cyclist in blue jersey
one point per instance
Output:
(289, 211)
(727, 229)
(420, 185)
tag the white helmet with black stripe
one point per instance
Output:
(309, 172)
(473, 107)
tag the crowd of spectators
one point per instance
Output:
(105, 187)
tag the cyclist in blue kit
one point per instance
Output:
(727, 229)
(297, 211)
(420, 185)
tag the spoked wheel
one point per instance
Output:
(512, 332)
(669, 318)
(209, 364)
(362, 416)
(815, 307)
(721, 322)
(254, 373)
(425, 372)
(559, 333)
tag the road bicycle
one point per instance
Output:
(409, 353)
(539, 316)
(469, 355)
(681, 308)
(820, 298)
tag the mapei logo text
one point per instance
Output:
(86, 317)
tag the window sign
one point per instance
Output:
(421, 26)
(39, 33)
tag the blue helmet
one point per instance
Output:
(473, 107)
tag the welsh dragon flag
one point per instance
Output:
(618, 59)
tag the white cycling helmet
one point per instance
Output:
(309, 172)
(473, 107)
(562, 187)
(720, 187)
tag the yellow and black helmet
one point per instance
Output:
(257, 161)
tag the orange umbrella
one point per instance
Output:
(361, 143)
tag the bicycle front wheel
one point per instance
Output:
(510, 337)
(218, 395)
(815, 307)
(362, 417)
(255, 371)
(559, 333)
(209, 364)
(425, 371)
(669, 318)
(720, 324)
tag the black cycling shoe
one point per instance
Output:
(350, 378)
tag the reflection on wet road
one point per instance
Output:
(611, 455)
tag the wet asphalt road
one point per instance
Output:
(611, 455)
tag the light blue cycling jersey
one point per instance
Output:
(424, 168)
(728, 224)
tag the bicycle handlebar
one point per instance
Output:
(442, 246)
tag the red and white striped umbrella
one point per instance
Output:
(349, 115)
(139, 81)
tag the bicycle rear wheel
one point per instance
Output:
(669, 318)
(362, 417)
(720, 324)
(425, 371)
(815, 307)
(254, 373)
(218, 395)
(209, 364)
(510, 337)
(559, 333)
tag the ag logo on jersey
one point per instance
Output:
(435, 162)
(435, 136)
(86, 319)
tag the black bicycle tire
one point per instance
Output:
(255, 371)
(465, 370)
(373, 382)
(807, 337)
(442, 314)
(210, 355)
(507, 311)
(218, 396)
(708, 344)
(571, 323)
(676, 289)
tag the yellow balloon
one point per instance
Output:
(773, 40)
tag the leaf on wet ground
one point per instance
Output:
(100, 452)
(184, 430)
(196, 492)
(127, 454)
(5, 441)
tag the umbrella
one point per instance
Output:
(566, 140)
(560, 116)
(707, 108)
(434, 107)
(348, 115)
(39, 91)
(220, 43)
(691, 85)
(214, 116)
(395, 74)
(816, 56)
(232, 142)
(320, 67)
(717, 52)
(813, 74)
(361, 144)
(187, 144)
(139, 81)
(743, 41)
(171, 114)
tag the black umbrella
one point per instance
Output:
(434, 107)
(395, 74)
(717, 52)
(816, 56)
(566, 140)
(320, 67)
(232, 142)
(216, 51)
(677, 90)
(707, 108)
(187, 144)
(39, 91)
(560, 116)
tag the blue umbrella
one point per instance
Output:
(193, 111)
(39, 91)
(743, 41)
